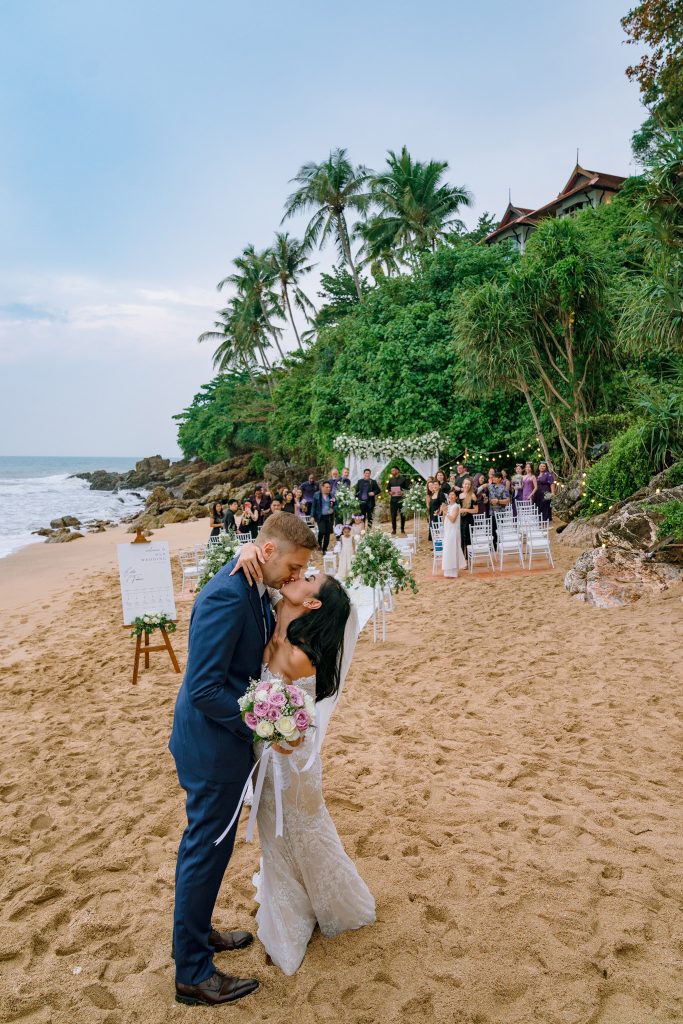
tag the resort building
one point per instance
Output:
(584, 188)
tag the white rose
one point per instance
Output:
(285, 726)
(309, 704)
(261, 696)
(264, 730)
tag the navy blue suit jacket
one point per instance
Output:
(209, 738)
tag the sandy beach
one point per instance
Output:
(506, 770)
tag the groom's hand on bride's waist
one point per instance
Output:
(250, 560)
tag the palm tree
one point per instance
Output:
(416, 208)
(234, 350)
(330, 189)
(289, 260)
(254, 283)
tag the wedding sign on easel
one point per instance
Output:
(146, 589)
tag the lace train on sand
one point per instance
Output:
(305, 875)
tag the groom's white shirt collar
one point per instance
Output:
(261, 589)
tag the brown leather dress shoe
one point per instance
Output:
(223, 941)
(218, 989)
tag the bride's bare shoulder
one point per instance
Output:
(298, 663)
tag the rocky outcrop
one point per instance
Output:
(612, 577)
(627, 559)
(64, 523)
(62, 536)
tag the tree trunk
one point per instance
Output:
(285, 293)
(539, 433)
(346, 249)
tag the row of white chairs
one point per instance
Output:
(523, 535)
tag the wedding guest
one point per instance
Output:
(529, 484)
(334, 481)
(452, 557)
(230, 520)
(288, 503)
(468, 508)
(261, 502)
(216, 520)
(517, 481)
(309, 488)
(451, 482)
(545, 488)
(299, 503)
(443, 483)
(275, 506)
(435, 503)
(461, 474)
(248, 520)
(367, 492)
(322, 511)
(346, 477)
(397, 485)
(506, 480)
(480, 485)
(499, 498)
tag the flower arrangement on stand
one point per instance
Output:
(378, 564)
(345, 503)
(415, 503)
(217, 555)
(151, 621)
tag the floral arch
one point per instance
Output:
(375, 453)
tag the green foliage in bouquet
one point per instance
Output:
(345, 503)
(150, 621)
(217, 556)
(378, 563)
(415, 500)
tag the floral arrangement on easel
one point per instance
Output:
(378, 563)
(345, 503)
(217, 555)
(415, 500)
(151, 621)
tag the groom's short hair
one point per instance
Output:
(286, 528)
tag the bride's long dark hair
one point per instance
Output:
(320, 635)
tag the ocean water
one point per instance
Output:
(36, 489)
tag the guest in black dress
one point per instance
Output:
(435, 501)
(288, 504)
(248, 521)
(216, 521)
(467, 500)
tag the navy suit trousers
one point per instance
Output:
(199, 871)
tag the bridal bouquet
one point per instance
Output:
(276, 711)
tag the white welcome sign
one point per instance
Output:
(146, 583)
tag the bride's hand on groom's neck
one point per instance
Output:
(250, 560)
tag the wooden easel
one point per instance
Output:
(145, 648)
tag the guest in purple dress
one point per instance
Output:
(529, 483)
(545, 488)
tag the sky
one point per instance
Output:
(145, 143)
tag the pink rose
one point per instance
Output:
(277, 699)
(296, 696)
(302, 720)
(261, 709)
(251, 719)
(272, 714)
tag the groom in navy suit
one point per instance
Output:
(230, 625)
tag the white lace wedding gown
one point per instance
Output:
(305, 875)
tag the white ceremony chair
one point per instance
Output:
(509, 541)
(437, 560)
(538, 542)
(330, 564)
(189, 568)
(482, 523)
(481, 543)
(243, 538)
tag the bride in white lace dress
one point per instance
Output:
(305, 877)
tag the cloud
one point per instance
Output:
(77, 315)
